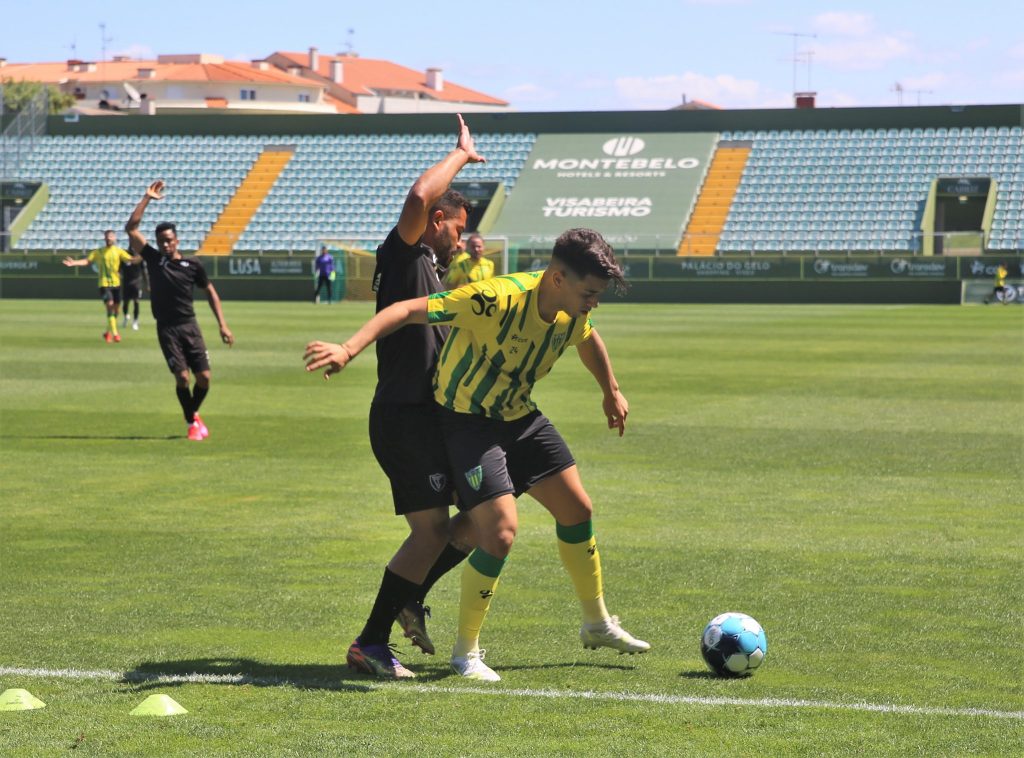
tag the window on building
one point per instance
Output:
(303, 98)
(248, 94)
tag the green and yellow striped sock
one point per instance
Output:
(112, 324)
(578, 550)
(479, 581)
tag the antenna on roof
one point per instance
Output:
(898, 89)
(796, 55)
(349, 46)
(133, 94)
(73, 47)
(104, 39)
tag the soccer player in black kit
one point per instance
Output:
(411, 263)
(171, 279)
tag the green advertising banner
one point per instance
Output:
(726, 268)
(629, 187)
(881, 267)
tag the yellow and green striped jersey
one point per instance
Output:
(108, 261)
(468, 271)
(499, 346)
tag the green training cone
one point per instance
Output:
(19, 700)
(158, 705)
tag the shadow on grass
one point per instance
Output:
(705, 674)
(150, 675)
(123, 437)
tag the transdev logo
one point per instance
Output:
(621, 147)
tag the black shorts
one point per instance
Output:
(131, 290)
(490, 457)
(110, 293)
(406, 442)
(183, 347)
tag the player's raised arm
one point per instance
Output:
(137, 240)
(595, 357)
(433, 183)
(334, 357)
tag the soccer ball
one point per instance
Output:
(733, 644)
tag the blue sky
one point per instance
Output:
(596, 55)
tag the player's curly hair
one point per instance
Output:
(163, 227)
(585, 251)
(450, 202)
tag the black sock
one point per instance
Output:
(450, 557)
(185, 398)
(393, 595)
(198, 395)
(136, 309)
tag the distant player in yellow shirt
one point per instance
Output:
(108, 260)
(506, 334)
(999, 286)
(474, 267)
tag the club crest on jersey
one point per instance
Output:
(437, 482)
(484, 303)
(475, 477)
(557, 340)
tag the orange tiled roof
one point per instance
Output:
(365, 76)
(228, 71)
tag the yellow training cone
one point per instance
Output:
(19, 700)
(158, 705)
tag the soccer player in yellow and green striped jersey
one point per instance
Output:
(108, 260)
(473, 267)
(999, 286)
(506, 334)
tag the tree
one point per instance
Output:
(19, 94)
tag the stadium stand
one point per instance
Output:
(864, 190)
(810, 191)
(337, 186)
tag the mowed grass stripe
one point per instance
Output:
(850, 476)
(497, 691)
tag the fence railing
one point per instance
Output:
(771, 243)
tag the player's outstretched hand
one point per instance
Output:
(226, 336)
(156, 190)
(327, 355)
(466, 142)
(616, 408)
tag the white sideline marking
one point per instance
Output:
(636, 697)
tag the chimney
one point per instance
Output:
(805, 100)
(121, 58)
(314, 58)
(295, 70)
(435, 79)
(261, 65)
(146, 73)
(337, 72)
(3, 62)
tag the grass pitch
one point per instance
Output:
(849, 476)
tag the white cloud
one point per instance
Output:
(1013, 81)
(656, 92)
(526, 93)
(843, 24)
(136, 51)
(864, 53)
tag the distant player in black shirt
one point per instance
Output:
(171, 279)
(403, 423)
(132, 275)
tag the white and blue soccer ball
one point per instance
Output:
(733, 644)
